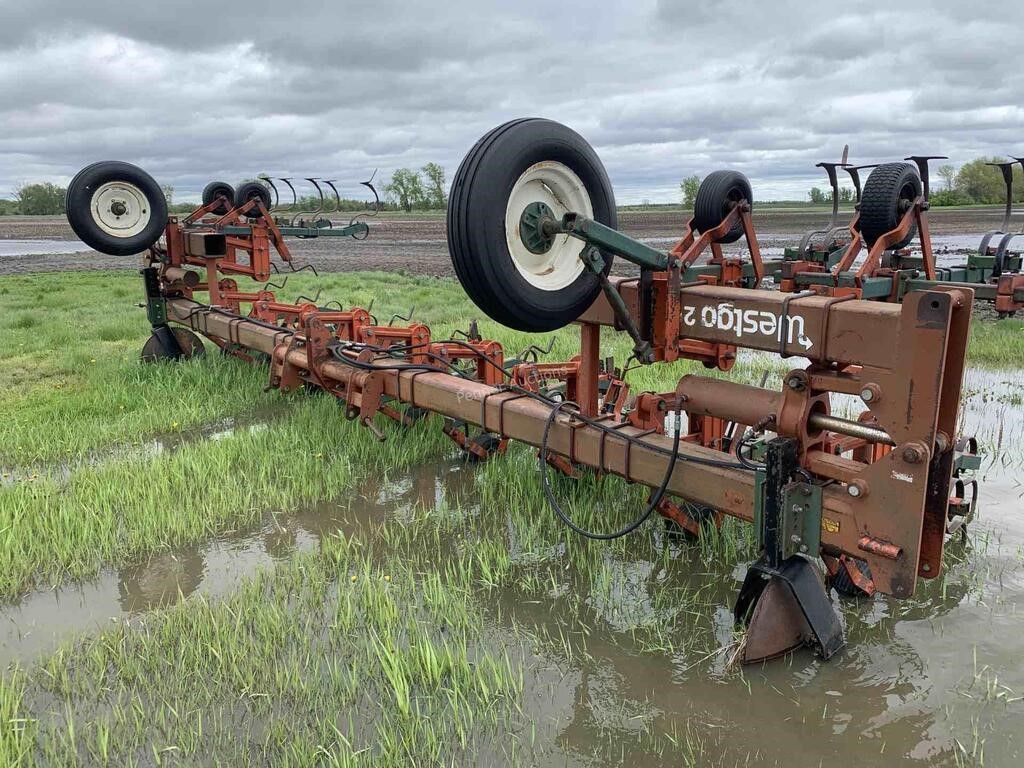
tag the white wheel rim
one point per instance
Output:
(562, 191)
(120, 209)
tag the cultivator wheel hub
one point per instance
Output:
(869, 500)
(546, 190)
(535, 228)
(120, 209)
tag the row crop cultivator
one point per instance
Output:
(870, 257)
(531, 230)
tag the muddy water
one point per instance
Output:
(41, 620)
(40, 247)
(934, 680)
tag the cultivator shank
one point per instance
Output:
(871, 493)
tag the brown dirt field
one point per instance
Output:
(417, 244)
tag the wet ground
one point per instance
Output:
(417, 245)
(934, 680)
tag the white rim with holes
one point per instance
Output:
(120, 209)
(562, 191)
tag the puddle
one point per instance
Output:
(918, 676)
(41, 620)
(41, 247)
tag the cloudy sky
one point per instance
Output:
(193, 91)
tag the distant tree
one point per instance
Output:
(845, 195)
(948, 174)
(168, 191)
(434, 187)
(40, 199)
(981, 183)
(817, 196)
(646, 202)
(689, 187)
(406, 189)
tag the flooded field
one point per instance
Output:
(291, 591)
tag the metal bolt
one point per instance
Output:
(805, 491)
(867, 395)
(911, 454)
(926, 567)
(803, 548)
(795, 382)
(795, 539)
(853, 490)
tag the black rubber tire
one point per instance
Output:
(216, 189)
(191, 346)
(880, 211)
(843, 584)
(714, 196)
(249, 190)
(476, 222)
(78, 205)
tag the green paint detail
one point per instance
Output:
(352, 230)
(156, 310)
(613, 241)
(800, 526)
(531, 227)
(967, 462)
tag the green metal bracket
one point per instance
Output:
(608, 239)
(800, 517)
(966, 462)
(156, 305)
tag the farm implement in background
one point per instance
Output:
(871, 258)
(862, 504)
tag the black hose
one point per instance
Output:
(652, 504)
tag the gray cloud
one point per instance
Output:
(662, 89)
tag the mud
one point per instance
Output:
(417, 245)
(934, 680)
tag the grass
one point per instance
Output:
(441, 634)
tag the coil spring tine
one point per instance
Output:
(533, 351)
(304, 267)
(309, 300)
(402, 317)
(268, 285)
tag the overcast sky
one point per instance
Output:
(194, 91)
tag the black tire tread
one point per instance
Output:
(248, 190)
(476, 276)
(878, 202)
(78, 200)
(210, 192)
(843, 584)
(713, 196)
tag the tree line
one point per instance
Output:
(408, 190)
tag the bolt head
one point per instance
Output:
(867, 395)
(911, 454)
(926, 567)
(853, 490)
